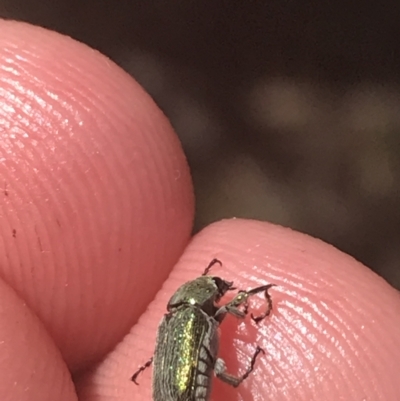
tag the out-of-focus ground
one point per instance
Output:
(289, 111)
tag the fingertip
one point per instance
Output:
(335, 323)
(98, 201)
(330, 314)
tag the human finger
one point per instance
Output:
(96, 196)
(31, 366)
(333, 334)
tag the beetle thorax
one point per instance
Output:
(202, 292)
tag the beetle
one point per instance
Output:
(188, 341)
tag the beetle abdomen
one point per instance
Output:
(187, 343)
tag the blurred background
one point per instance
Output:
(288, 111)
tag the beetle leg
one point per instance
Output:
(140, 370)
(220, 370)
(258, 319)
(241, 299)
(210, 265)
(232, 307)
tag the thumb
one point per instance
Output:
(334, 333)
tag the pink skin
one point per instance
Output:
(97, 189)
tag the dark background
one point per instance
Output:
(289, 111)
